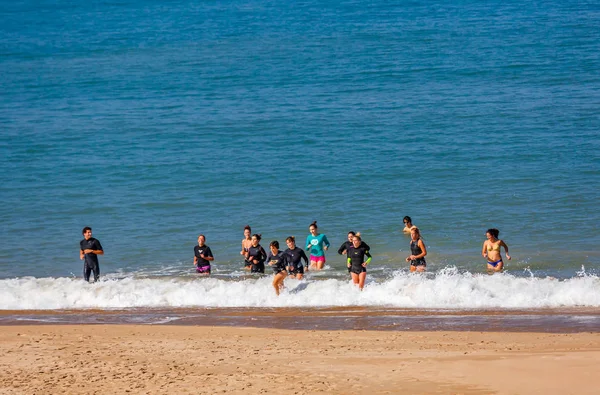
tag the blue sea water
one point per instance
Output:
(155, 121)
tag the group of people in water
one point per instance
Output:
(293, 262)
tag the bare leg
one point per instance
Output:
(313, 265)
(421, 268)
(361, 280)
(354, 278)
(320, 265)
(278, 282)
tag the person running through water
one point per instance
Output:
(407, 224)
(356, 261)
(256, 255)
(348, 243)
(317, 244)
(89, 249)
(246, 244)
(277, 260)
(294, 255)
(491, 250)
(202, 256)
(417, 251)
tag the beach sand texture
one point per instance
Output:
(144, 359)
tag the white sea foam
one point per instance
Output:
(447, 289)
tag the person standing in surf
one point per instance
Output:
(246, 244)
(278, 261)
(357, 264)
(89, 249)
(256, 255)
(294, 257)
(349, 243)
(417, 251)
(317, 244)
(202, 256)
(491, 250)
(407, 224)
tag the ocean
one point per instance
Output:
(155, 121)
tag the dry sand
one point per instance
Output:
(101, 359)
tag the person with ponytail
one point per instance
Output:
(317, 244)
(356, 260)
(491, 250)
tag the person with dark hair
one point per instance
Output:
(407, 224)
(417, 251)
(277, 260)
(356, 261)
(347, 244)
(202, 256)
(89, 249)
(256, 255)
(246, 244)
(317, 244)
(491, 250)
(294, 255)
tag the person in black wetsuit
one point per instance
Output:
(278, 261)
(256, 255)
(89, 249)
(347, 244)
(294, 255)
(202, 256)
(356, 261)
(417, 251)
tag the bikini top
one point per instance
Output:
(494, 246)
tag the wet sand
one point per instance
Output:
(570, 320)
(139, 359)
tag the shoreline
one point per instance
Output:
(85, 359)
(567, 320)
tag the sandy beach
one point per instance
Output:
(144, 359)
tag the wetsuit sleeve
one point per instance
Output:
(303, 256)
(208, 252)
(368, 254)
(98, 245)
(366, 246)
(342, 248)
(325, 241)
(263, 254)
